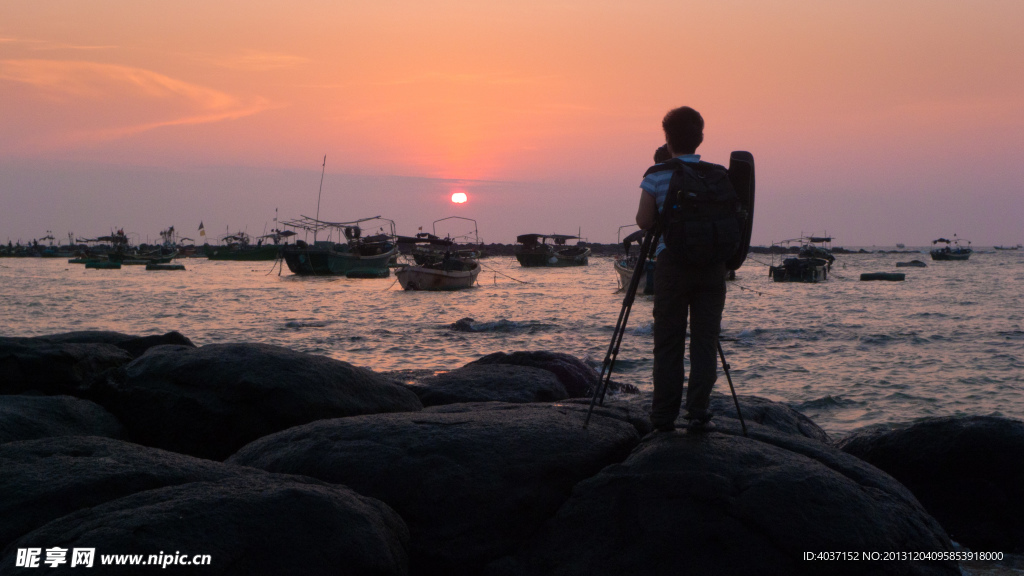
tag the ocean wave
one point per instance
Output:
(782, 334)
(877, 339)
(928, 315)
(645, 329)
(298, 324)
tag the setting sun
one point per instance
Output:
(459, 197)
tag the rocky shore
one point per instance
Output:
(272, 461)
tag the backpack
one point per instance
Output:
(702, 218)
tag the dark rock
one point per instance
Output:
(38, 366)
(462, 325)
(714, 503)
(31, 417)
(134, 345)
(86, 337)
(757, 412)
(578, 378)
(490, 383)
(774, 415)
(472, 481)
(45, 479)
(138, 346)
(253, 524)
(211, 401)
(634, 409)
(967, 471)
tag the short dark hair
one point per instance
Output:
(684, 129)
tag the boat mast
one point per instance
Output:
(317, 226)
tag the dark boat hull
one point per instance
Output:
(326, 262)
(555, 258)
(800, 270)
(245, 254)
(951, 255)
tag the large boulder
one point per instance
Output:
(578, 378)
(38, 366)
(967, 471)
(764, 412)
(211, 401)
(31, 417)
(42, 480)
(134, 345)
(490, 383)
(720, 504)
(252, 524)
(472, 481)
(757, 413)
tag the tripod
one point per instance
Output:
(647, 248)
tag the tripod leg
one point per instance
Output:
(620, 326)
(725, 367)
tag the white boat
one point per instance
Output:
(450, 274)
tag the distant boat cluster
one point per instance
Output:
(364, 248)
(371, 248)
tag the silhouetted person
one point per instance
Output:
(686, 286)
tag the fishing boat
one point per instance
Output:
(811, 264)
(533, 250)
(952, 249)
(464, 245)
(239, 247)
(1017, 247)
(625, 263)
(451, 273)
(115, 248)
(137, 258)
(346, 252)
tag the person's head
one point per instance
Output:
(684, 130)
(662, 154)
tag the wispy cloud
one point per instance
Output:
(91, 79)
(41, 45)
(441, 78)
(253, 61)
(111, 101)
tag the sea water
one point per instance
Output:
(949, 340)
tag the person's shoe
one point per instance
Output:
(700, 426)
(670, 427)
(699, 422)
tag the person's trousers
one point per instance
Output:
(681, 292)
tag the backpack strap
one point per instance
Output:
(670, 164)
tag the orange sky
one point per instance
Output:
(879, 122)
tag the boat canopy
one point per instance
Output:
(466, 237)
(534, 238)
(351, 230)
(424, 238)
(118, 237)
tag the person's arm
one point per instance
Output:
(647, 213)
